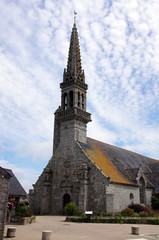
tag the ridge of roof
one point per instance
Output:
(7, 169)
(157, 161)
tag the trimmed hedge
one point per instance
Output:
(121, 220)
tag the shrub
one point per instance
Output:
(136, 215)
(127, 212)
(23, 209)
(102, 214)
(139, 208)
(118, 215)
(155, 201)
(143, 214)
(71, 209)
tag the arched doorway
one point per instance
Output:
(66, 199)
(142, 190)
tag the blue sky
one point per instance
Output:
(119, 43)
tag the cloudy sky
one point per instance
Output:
(119, 43)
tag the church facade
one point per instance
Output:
(95, 176)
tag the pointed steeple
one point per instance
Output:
(74, 65)
(74, 73)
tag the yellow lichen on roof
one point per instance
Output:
(108, 168)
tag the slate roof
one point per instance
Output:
(153, 175)
(119, 164)
(16, 188)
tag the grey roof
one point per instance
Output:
(153, 175)
(16, 188)
(123, 163)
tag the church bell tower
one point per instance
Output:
(71, 117)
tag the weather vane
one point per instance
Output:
(75, 16)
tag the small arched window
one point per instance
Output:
(82, 97)
(131, 196)
(78, 96)
(65, 101)
(71, 99)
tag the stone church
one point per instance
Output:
(94, 175)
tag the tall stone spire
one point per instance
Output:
(74, 65)
(74, 72)
(71, 117)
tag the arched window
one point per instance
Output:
(131, 197)
(65, 101)
(82, 98)
(142, 190)
(71, 99)
(78, 96)
(79, 99)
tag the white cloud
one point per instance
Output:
(120, 56)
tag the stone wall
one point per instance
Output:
(76, 175)
(4, 191)
(40, 196)
(119, 196)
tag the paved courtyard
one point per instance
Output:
(62, 230)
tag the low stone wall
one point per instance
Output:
(24, 220)
(27, 220)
